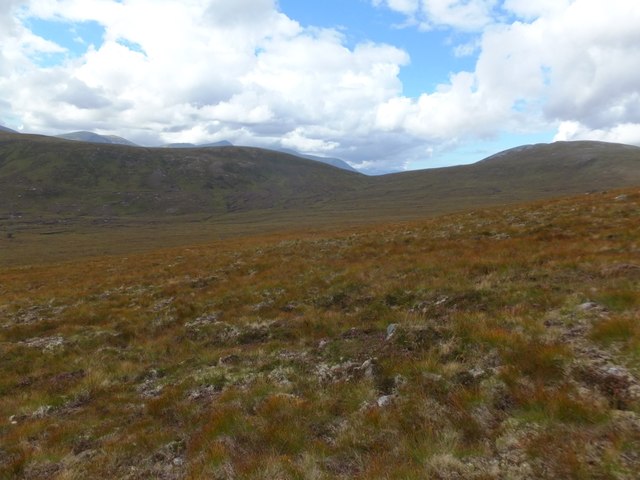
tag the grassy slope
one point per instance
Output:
(60, 199)
(268, 357)
(58, 178)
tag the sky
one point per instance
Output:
(386, 85)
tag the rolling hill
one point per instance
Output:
(336, 162)
(43, 175)
(48, 176)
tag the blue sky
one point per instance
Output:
(384, 84)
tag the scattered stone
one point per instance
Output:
(615, 382)
(46, 344)
(289, 307)
(470, 377)
(369, 367)
(230, 360)
(391, 330)
(622, 198)
(385, 400)
(42, 411)
(203, 321)
(346, 371)
(589, 306)
(432, 377)
(203, 393)
(148, 388)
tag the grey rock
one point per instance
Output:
(384, 401)
(391, 330)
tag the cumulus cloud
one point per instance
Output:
(205, 70)
(466, 15)
(560, 65)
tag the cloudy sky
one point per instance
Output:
(383, 84)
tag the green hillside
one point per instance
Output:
(47, 176)
(60, 199)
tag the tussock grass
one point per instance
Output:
(498, 343)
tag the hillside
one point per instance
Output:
(47, 176)
(517, 175)
(491, 344)
(95, 138)
(336, 162)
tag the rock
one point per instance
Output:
(203, 321)
(384, 400)
(391, 330)
(470, 377)
(589, 306)
(615, 382)
(47, 344)
(229, 360)
(42, 411)
(368, 367)
(621, 198)
(432, 377)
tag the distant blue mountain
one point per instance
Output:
(7, 130)
(336, 162)
(91, 137)
(223, 143)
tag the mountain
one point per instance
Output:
(41, 174)
(6, 130)
(516, 175)
(95, 138)
(336, 162)
(223, 143)
(45, 175)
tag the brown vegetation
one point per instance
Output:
(498, 343)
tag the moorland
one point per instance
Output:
(293, 320)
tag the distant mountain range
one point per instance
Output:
(91, 137)
(45, 176)
(223, 143)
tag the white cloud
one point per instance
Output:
(208, 70)
(628, 133)
(566, 66)
(531, 9)
(467, 15)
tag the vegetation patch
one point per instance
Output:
(498, 343)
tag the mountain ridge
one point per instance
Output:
(47, 176)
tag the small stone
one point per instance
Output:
(588, 306)
(621, 198)
(42, 411)
(391, 330)
(432, 377)
(384, 401)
